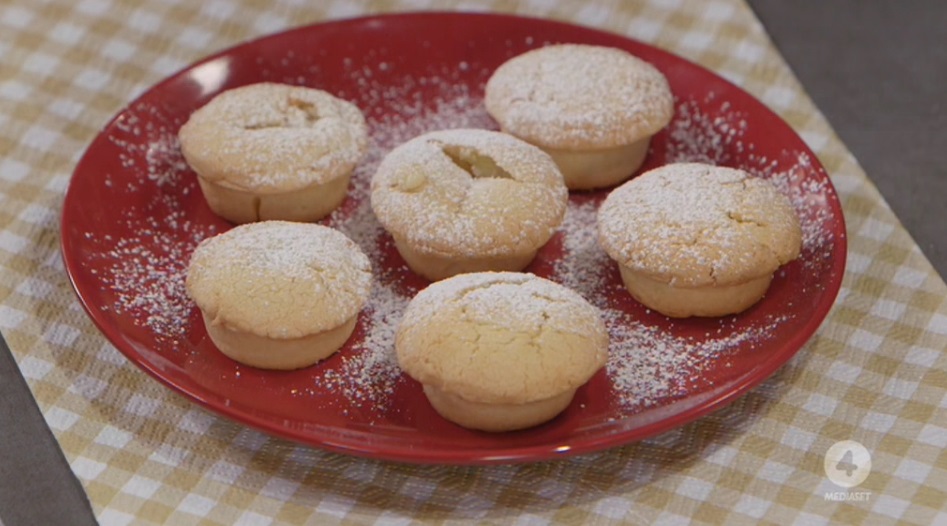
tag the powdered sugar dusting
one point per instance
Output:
(274, 137)
(647, 363)
(807, 196)
(584, 266)
(372, 373)
(692, 224)
(650, 360)
(148, 279)
(514, 300)
(579, 96)
(300, 269)
(699, 137)
(450, 191)
(718, 137)
(145, 270)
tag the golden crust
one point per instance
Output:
(279, 280)
(283, 354)
(272, 138)
(683, 302)
(579, 97)
(693, 225)
(469, 193)
(501, 338)
(587, 170)
(496, 417)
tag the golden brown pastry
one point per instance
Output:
(498, 351)
(698, 240)
(592, 108)
(468, 200)
(277, 294)
(274, 151)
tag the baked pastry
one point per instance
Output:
(693, 239)
(277, 294)
(468, 200)
(274, 151)
(592, 108)
(499, 351)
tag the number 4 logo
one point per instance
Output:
(847, 463)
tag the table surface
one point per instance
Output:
(875, 372)
(879, 78)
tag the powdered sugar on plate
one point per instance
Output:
(647, 364)
(719, 136)
(145, 271)
(372, 373)
(650, 361)
(701, 137)
(148, 279)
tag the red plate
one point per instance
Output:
(133, 213)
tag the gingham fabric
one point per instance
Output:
(875, 372)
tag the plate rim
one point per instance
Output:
(465, 456)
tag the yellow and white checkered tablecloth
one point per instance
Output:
(875, 372)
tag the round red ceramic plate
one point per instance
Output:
(133, 214)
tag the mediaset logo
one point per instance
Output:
(847, 464)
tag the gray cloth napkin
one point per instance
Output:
(36, 484)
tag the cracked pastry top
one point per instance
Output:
(577, 96)
(469, 193)
(500, 341)
(694, 225)
(271, 137)
(274, 151)
(278, 279)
